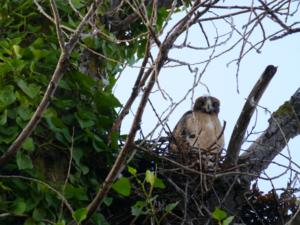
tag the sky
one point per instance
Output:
(220, 79)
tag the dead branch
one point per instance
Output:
(240, 128)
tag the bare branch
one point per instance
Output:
(60, 36)
(135, 90)
(240, 128)
(290, 31)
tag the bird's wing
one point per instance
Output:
(181, 128)
(181, 133)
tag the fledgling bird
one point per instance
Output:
(199, 132)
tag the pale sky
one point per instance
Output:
(221, 81)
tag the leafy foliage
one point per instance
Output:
(64, 162)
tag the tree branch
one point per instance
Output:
(135, 90)
(283, 125)
(240, 128)
(129, 144)
(60, 36)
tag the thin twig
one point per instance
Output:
(135, 90)
(60, 36)
(61, 196)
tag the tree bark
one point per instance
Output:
(230, 188)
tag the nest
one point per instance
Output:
(192, 188)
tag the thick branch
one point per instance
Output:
(240, 128)
(283, 125)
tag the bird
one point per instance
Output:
(198, 136)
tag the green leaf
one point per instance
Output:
(28, 144)
(85, 118)
(84, 169)
(3, 118)
(107, 201)
(77, 155)
(169, 208)
(150, 177)
(80, 214)
(25, 102)
(25, 113)
(138, 208)
(64, 103)
(24, 161)
(30, 90)
(122, 186)
(38, 54)
(62, 222)
(7, 96)
(50, 112)
(19, 206)
(9, 134)
(98, 143)
(158, 183)
(55, 124)
(106, 102)
(77, 4)
(84, 123)
(228, 220)
(39, 214)
(132, 170)
(30, 221)
(99, 219)
(72, 192)
(85, 82)
(17, 51)
(219, 214)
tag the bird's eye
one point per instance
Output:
(215, 104)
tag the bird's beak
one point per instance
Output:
(208, 106)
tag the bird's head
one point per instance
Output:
(207, 104)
